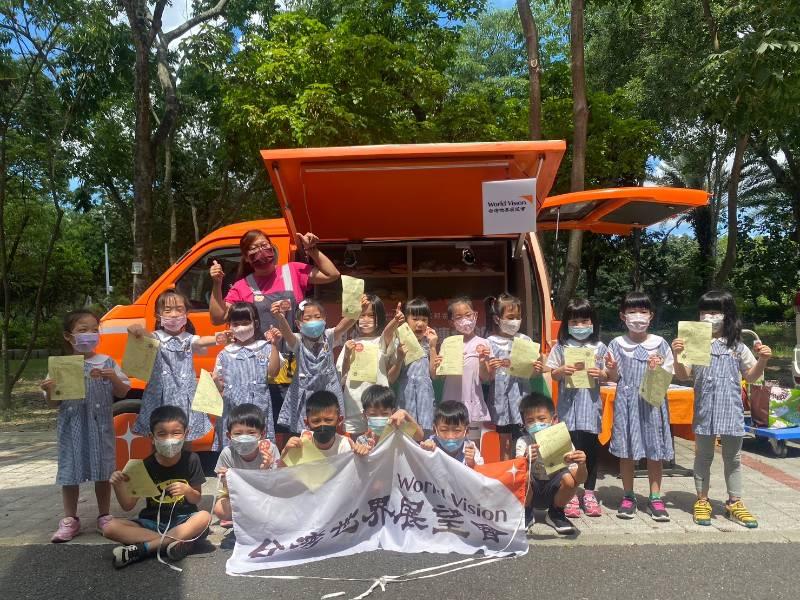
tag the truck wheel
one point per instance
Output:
(129, 405)
(778, 447)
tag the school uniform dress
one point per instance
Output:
(415, 389)
(718, 406)
(85, 428)
(354, 421)
(506, 391)
(640, 430)
(579, 409)
(316, 371)
(173, 383)
(244, 373)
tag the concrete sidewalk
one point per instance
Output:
(30, 502)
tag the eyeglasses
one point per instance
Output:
(256, 249)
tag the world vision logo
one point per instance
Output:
(528, 198)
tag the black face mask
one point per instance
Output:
(324, 433)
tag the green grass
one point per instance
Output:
(28, 409)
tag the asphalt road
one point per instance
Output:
(664, 572)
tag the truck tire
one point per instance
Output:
(129, 405)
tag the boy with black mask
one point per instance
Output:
(322, 420)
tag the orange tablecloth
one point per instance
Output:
(681, 412)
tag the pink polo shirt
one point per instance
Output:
(300, 273)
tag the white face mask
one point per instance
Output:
(366, 325)
(715, 320)
(169, 448)
(243, 332)
(244, 445)
(509, 326)
(637, 322)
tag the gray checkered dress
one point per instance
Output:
(580, 409)
(640, 430)
(506, 391)
(245, 375)
(85, 431)
(718, 406)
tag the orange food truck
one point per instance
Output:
(408, 219)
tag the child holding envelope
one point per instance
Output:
(373, 347)
(556, 467)
(505, 315)
(718, 407)
(85, 427)
(576, 362)
(641, 429)
(465, 385)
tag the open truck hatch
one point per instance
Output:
(616, 210)
(401, 192)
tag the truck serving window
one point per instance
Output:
(196, 283)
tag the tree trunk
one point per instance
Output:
(7, 385)
(173, 223)
(733, 192)
(702, 224)
(637, 259)
(580, 118)
(194, 219)
(531, 34)
(144, 171)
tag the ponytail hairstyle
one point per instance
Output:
(722, 301)
(497, 305)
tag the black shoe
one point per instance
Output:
(178, 550)
(126, 555)
(556, 518)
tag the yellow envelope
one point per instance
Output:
(140, 484)
(554, 442)
(67, 372)
(406, 427)
(140, 356)
(207, 398)
(523, 354)
(413, 348)
(575, 357)
(364, 362)
(452, 353)
(352, 290)
(313, 467)
(654, 385)
(696, 336)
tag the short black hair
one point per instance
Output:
(455, 302)
(417, 307)
(578, 308)
(722, 301)
(167, 414)
(321, 400)
(244, 311)
(379, 311)
(378, 396)
(636, 300)
(451, 412)
(535, 400)
(246, 414)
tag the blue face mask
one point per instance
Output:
(312, 329)
(581, 333)
(451, 446)
(377, 424)
(535, 428)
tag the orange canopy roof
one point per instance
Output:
(401, 191)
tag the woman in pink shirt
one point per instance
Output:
(260, 281)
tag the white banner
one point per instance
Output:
(400, 498)
(509, 206)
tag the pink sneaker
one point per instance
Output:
(103, 521)
(573, 508)
(68, 528)
(590, 505)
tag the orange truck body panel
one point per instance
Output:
(422, 192)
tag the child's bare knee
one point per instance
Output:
(568, 482)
